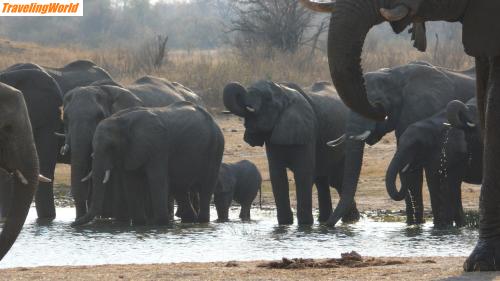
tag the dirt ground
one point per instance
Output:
(414, 269)
(371, 196)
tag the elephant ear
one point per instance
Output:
(142, 130)
(297, 122)
(227, 180)
(120, 98)
(481, 28)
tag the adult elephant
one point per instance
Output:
(85, 107)
(178, 149)
(449, 156)
(411, 93)
(350, 22)
(75, 74)
(18, 163)
(43, 99)
(295, 127)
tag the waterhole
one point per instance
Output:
(261, 239)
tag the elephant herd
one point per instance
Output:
(136, 148)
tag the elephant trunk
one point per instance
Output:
(24, 152)
(399, 163)
(81, 150)
(349, 25)
(353, 162)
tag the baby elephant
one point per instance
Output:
(239, 181)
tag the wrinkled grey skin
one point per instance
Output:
(43, 100)
(178, 148)
(85, 107)
(449, 157)
(240, 182)
(18, 163)
(411, 93)
(350, 22)
(295, 127)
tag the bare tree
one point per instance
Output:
(280, 24)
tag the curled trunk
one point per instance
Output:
(399, 163)
(348, 28)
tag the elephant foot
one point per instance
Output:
(139, 222)
(222, 219)
(324, 215)
(351, 217)
(285, 219)
(413, 221)
(305, 220)
(484, 256)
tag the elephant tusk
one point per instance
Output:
(42, 178)
(405, 168)
(64, 149)
(21, 177)
(107, 175)
(59, 135)
(226, 112)
(471, 125)
(322, 7)
(250, 109)
(446, 124)
(85, 179)
(337, 142)
(361, 137)
(396, 13)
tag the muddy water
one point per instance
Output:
(107, 243)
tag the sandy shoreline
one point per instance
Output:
(422, 268)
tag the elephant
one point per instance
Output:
(411, 93)
(295, 127)
(350, 22)
(177, 148)
(43, 99)
(85, 107)
(449, 157)
(75, 74)
(240, 182)
(19, 171)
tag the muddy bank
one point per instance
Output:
(429, 268)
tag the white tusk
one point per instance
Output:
(64, 149)
(42, 178)
(322, 7)
(250, 109)
(405, 168)
(472, 125)
(21, 177)
(87, 177)
(361, 137)
(60, 135)
(447, 124)
(337, 142)
(395, 14)
(107, 175)
(92, 155)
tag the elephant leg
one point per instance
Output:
(245, 212)
(324, 198)
(185, 208)
(222, 205)
(195, 201)
(158, 187)
(135, 189)
(120, 206)
(303, 172)
(46, 145)
(487, 251)
(414, 201)
(434, 185)
(279, 183)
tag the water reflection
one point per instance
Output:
(104, 242)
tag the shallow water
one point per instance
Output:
(261, 239)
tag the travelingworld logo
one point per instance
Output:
(40, 8)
